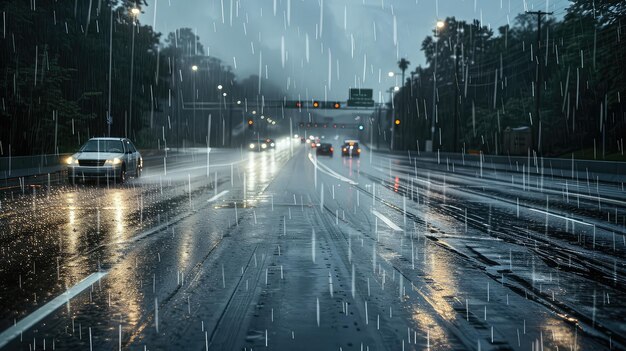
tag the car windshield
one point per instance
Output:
(103, 146)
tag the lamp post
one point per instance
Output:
(439, 25)
(395, 88)
(456, 93)
(194, 69)
(109, 116)
(134, 13)
(393, 128)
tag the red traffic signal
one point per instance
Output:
(298, 104)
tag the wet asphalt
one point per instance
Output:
(285, 250)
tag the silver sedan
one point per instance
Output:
(109, 158)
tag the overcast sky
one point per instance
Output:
(351, 43)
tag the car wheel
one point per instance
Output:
(122, 177)
(138, 172)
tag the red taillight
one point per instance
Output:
(344, 149)
(358, 150)
(331, 149)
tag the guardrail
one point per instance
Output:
(21, 166)
(610, 171)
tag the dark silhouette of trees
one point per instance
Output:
(490, 75)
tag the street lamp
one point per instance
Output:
(391, 74)
(134, 12)
(439, 25)
(219, 87)
(391, 91)
(194, 69)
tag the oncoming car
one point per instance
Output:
(105, 158)
(260, 145)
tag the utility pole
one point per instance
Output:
(456, 93)
(537, 125)
(109, 117)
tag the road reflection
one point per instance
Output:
(259, 171)
(443, 285)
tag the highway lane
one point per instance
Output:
(286, 250)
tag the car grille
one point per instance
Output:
(91, 163)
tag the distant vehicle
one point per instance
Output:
(351, 148)
(114, 158)
(258, 145)
(302, 140)
(270, 143)
(325, 149)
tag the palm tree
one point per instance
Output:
(403, 64)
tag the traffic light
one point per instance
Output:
(298, 104)
(397, 122)
(336, 105)
(316, 104)
(361, 127)
(250, 123)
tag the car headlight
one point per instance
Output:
(264, 146)
(272, 144)
(115, 161)
(252, 146)
(71, 161)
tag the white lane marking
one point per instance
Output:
(195, 168)
(218, 196)
(330, 172)
(30, 320)
(386, 220)
(562, 217)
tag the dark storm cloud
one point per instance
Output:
(351, 43)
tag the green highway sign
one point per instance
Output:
(361, 98)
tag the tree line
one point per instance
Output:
(70, 70)
(477, 83)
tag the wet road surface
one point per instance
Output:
(281, 249)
